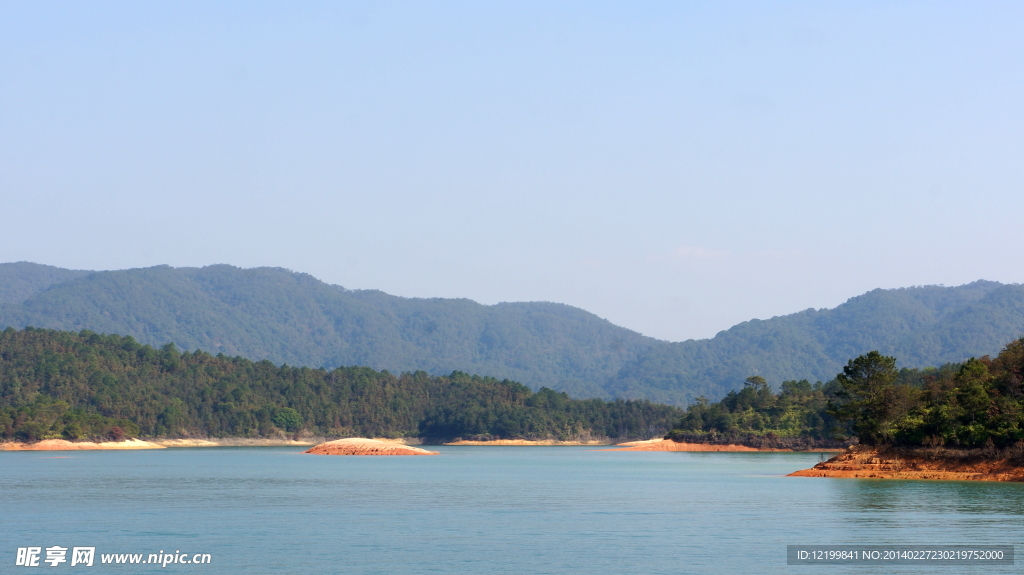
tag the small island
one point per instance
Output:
(364, 446)
(960, 422)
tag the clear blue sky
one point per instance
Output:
(675, 167)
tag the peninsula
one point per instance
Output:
(660, 444)
(963, 422)
(867, 462)
(757, 418)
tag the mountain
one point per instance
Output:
(21, 280)
(923, 326)
(293, 318)
(296, 319)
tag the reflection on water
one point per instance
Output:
(928, 512)
(961, 497)
(482, 509)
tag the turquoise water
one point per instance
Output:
(554, 510)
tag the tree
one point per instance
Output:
(869, 396)
(756, 381)
(80, 385)
(974, 403)
(288, 419)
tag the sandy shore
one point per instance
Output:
(865, 462)
(65, 445)
(659, 444)
(364, 446)
(185, 443)
(669, 445)
(526, 442)
(232, 442)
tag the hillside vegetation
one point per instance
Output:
(286, 317)
(975, 404)
(979, 403)
(84, 385)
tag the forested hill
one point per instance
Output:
(922, 326)
(84, 385)
(21, 280)
(294, 318)
(271, 313)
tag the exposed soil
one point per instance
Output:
(862, 461)
(767, 442)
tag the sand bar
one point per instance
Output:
(659, 444)
(232, 442)
(65, 445)
(365, 446)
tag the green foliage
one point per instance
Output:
(294, 318)
(799, 411)
(923, 326)
(21, 280)
(287, 418)
(974, 404)
(868, 395)
(756, 381)
(85, 385)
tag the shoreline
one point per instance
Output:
(530, 442)
(134, 444)
(656, 444)
(234, 442)
(65, 445)
(659, 444)
(866, 462)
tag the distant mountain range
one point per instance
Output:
(293, 318)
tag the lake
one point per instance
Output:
(551, 510)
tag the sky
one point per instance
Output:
(673, 167)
